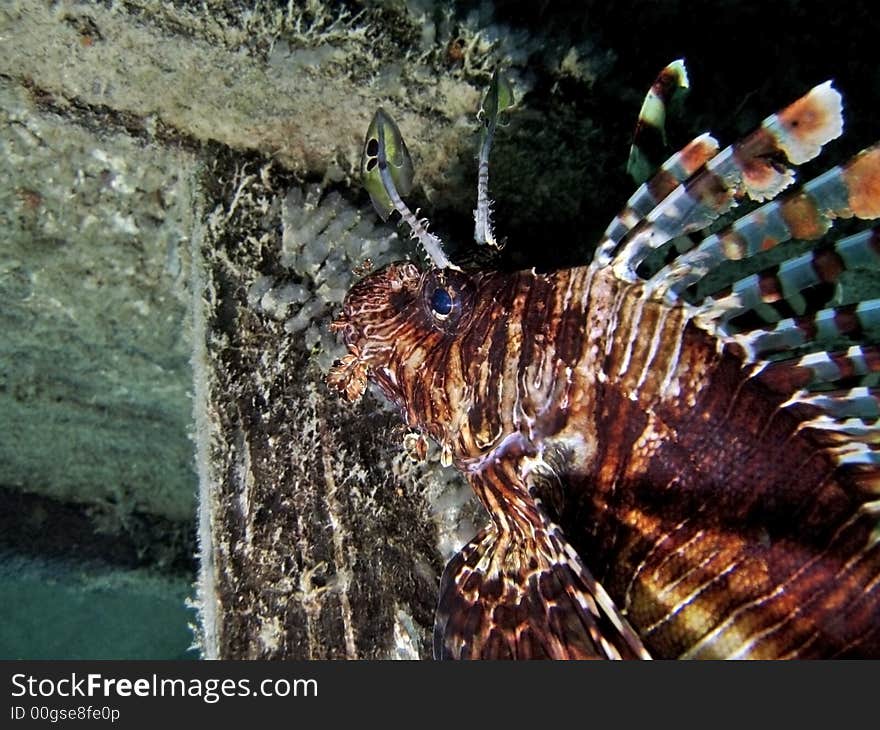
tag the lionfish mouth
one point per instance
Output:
(348, 375)
(340, 324)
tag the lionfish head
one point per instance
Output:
(396, 323)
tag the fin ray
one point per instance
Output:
(805, 214)
(753, 167)
(508, 596)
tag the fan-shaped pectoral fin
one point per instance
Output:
(518, 590)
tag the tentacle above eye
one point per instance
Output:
(498, 99)
(387, 170)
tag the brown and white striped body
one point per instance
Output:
(659, 482)
(716, 524)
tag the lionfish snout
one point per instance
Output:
(370, 318)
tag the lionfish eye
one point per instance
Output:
(447, 299)
(441, 302)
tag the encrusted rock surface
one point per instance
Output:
(321, 539)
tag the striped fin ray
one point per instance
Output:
(673, 172)
(857, 403)
(834, 395)
(650, 134)
(849, 418)
(857, 322)
(519, 590)
(754, 167)
(847, 424)
(844, 191)
(822, 369)
(500, 600)
(787, 280)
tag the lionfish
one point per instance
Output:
(662, 479)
